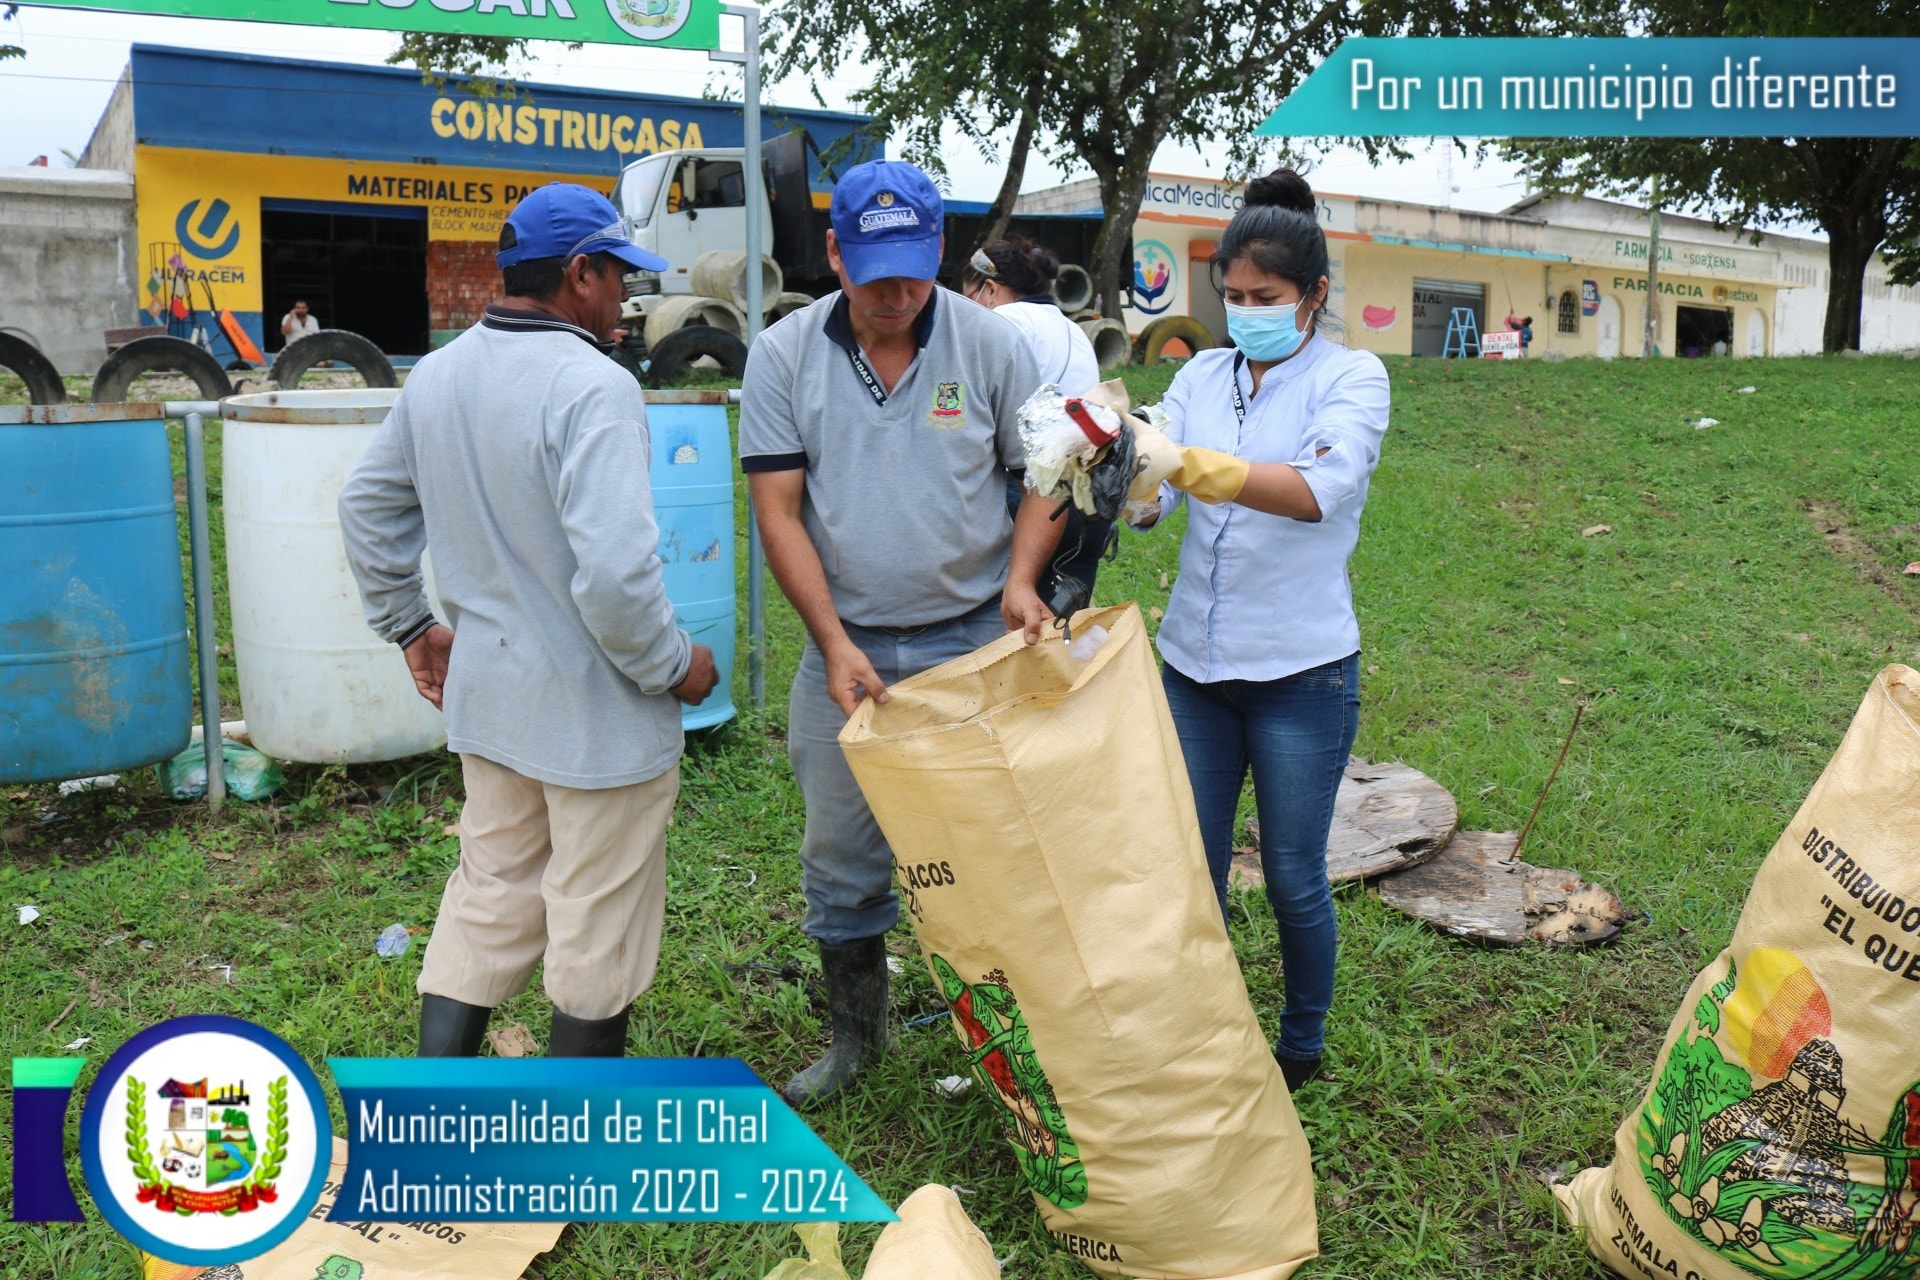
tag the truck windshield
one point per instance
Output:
(640, 187)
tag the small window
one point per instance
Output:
(1569, 312)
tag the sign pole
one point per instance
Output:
(756, 188)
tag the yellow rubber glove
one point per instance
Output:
(1210, 475)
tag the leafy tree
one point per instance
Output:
(1863, 192)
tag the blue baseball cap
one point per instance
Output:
(562, 219)
(886, 216)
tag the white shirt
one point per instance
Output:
(1060, 347)
(299, 328)
(1261, 596)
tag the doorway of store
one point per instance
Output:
(361, 267)
(1702, 331)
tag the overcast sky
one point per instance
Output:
(50, 100)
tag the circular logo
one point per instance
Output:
(650, 19)
(884, 199)
(205, 1140)
(200, 230)
(1154, 275)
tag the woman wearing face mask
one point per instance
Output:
(1276, 439)
(1014, 278)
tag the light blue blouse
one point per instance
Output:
(1262, 596)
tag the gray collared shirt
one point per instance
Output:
(905, 490)
(519, 454)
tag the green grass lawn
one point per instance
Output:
(1722, 633)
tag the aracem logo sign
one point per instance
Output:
(209, 232)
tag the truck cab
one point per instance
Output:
(686, 203)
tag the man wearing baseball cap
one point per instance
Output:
(518, 456)
(877, 428)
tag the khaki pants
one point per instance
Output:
(577, 878)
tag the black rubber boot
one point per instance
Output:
(1298, 1071)
(856, 977)
(573, 1037)
(450, 1029)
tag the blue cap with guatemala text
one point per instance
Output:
(562, 219)
(886, 217)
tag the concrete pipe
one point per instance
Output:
(1074, 289)
(1111, 347)
(683, 309)
(722, 273)
(783, 305)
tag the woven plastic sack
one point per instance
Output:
(1781, 1135)
(1046, 847)
(321, 1250)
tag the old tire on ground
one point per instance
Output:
(676, 353)
(1155, 337)
(684, 310)
(21, 357)
(342, 346)
(1073, 288)
(155, 355)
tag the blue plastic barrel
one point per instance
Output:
(692, 480)
(93, 619)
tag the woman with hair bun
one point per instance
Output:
(1276, 437)
(1014, 279)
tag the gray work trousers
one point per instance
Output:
(846, 867)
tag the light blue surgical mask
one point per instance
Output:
(1265, 334)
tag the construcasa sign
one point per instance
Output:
(534, 125)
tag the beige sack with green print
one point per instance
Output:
(1046, 847)
(1781, 1137)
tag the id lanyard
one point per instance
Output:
(874, 389)
(1239, 402)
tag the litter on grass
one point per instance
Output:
(250, 774)
(1593, 530)
(513, 1041)
(1747, 391)
(1701, 424)
(1913, 569)
(103, 782)
(80, 1043)
(393, 941)
(953, 1086)
(28, 914)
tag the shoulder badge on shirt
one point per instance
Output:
(949, 406)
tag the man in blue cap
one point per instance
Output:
(877, 429)
(518, 455)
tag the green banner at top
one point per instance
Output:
(667, 24)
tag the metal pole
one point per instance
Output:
(749, 59)
(1650, 338)
(205, 638)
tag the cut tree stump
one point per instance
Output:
(1385, 817)
(1468, 890)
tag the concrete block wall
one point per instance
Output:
(68, 261)
(462, 278)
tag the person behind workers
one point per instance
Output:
(1277, 438)
(298, 323)
(1015, 279)
(877, 428)
(518, 455)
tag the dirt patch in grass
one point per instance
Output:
(1844, 541)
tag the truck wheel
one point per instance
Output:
(19, 356)
(1155, 337)
(339, 345)
(154, 355)
(673, 358)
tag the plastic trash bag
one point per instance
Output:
(251, 775)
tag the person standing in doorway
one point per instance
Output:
(518, 455)
(877, 429)
(298, 323)
(1278, 437)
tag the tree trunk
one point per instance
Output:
(1112, 269)
(1000, 212)
(1850, 247)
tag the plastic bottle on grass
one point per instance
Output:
(250, 774)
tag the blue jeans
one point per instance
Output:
(846, 866)
(1295, 734)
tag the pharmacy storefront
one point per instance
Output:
(373, 196)
(1710, 299)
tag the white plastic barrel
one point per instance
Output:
(316, 685)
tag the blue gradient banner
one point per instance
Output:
(1575, 87)
(583, 1140)
(42, 1088)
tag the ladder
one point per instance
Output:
(1463, 335)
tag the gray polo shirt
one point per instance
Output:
(906, 497)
